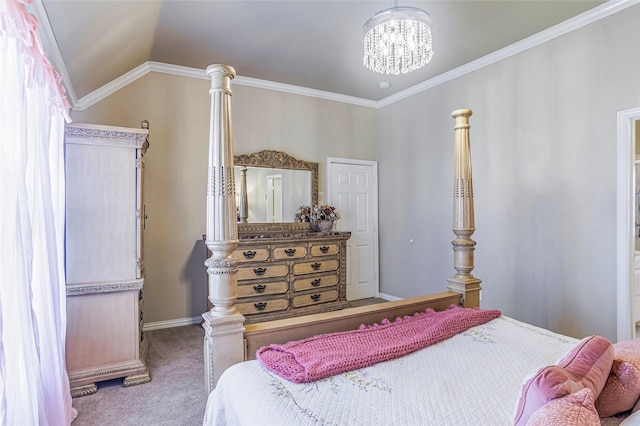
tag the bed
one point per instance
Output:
(380, 394)
(436, 359)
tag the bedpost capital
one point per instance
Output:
(224, 70)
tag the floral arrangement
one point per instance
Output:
(317, 213)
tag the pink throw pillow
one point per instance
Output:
(587, 365)
(575, 409)
(622, 389)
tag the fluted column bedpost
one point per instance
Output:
(463, 215)
(222, 323)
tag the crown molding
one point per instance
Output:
(304, 91)
(141, 70)
(111, 87)
(579, 21)
(590, 16)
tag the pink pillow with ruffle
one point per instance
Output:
(622, 389)
(587, 365)
(575, 409)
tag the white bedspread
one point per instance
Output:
(473, 378)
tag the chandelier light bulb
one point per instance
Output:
(397, 40)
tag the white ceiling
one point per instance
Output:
(312, 44)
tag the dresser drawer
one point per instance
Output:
(283, 275)
(265, 270)
(316, 265)
(262, 306)
(256, 289)
(289, 252)
(324, 249)
(314, 298)
(315, 282)
(250, 255)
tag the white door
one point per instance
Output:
(353, 190)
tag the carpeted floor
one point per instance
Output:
(175, 396)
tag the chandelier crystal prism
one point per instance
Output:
(397, 40)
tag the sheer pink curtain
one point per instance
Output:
(34, 387)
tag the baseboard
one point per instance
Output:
(158, 325)
(388, 297)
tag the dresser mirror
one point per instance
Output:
(270, 186)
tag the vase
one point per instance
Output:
(324, 225)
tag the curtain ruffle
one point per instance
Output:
(16, 22)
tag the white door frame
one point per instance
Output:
(374, 166)
(625, 222)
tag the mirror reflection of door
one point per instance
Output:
(274, 198)
(296, 187)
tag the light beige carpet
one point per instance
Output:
(175, 395)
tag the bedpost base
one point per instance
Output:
(469, 287)
(228, 334)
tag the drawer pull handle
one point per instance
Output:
(324, 249)
(259, 271)
(315, 266)
(290, 252)
(316, 282)
(259, 288)
(315, 297)
(249, 254)
(260, 306)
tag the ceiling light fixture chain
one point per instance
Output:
(397, 40)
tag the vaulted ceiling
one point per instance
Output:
(306, 43)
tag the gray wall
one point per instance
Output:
(543, 141)
(178, 109)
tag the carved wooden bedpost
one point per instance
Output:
(222, 324)
(463, 216)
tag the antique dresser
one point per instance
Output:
(290, 273)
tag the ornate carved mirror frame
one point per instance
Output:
(276, 160)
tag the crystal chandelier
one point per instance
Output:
(397, 40)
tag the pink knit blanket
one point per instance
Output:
(325, 355)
